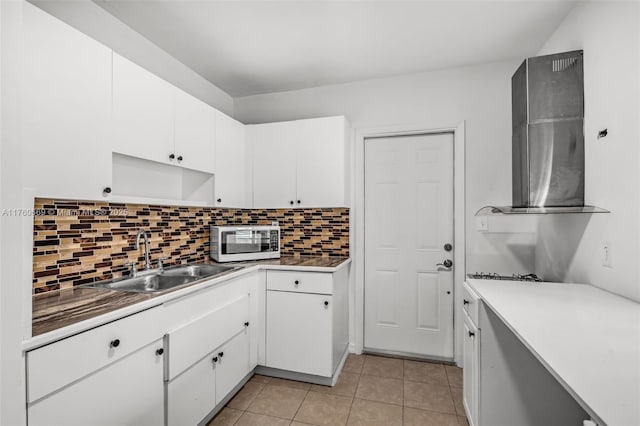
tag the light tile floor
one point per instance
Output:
(372, 390)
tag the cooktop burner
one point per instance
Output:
(514, 277)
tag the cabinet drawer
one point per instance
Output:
(192, 341)
(470, 302)
(127, 392)
(300, 282)
(58, 364)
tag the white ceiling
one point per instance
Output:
(251, 47)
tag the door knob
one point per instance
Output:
(447, 263)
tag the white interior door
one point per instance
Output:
(408, 221)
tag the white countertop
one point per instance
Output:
(587, 338)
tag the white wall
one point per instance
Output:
(570, 248)
(478, 95)
(13, 241)
(99, 24)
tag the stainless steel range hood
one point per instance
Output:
(547, 95)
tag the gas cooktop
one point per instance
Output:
(514, 277)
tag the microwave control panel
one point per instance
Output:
(275, 244)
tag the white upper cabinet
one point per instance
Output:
(156, 121)
(230, 184)
(143, 112)
(195, 133)
(300, 163)
(322, 166)
(273, 156)
(66, 101)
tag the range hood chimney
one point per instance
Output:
(547, 110)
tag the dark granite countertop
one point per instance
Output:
(56, 309)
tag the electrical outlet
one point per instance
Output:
(607, 254)
(482, 223)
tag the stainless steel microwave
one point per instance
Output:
(234, 243)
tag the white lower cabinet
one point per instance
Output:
(126, 392)
(125, 373)
(232, 365)
(470, 371)
(306, 321)
(196, 391)
(471, 354)
(208, 349)
(192, 394)
(299, 334)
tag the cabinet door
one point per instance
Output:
(230, 162)
(470, 371)
(233, 364)
(299, 332)
(192, 395)
(195, 133)
(321, 162)
(66, 101)
(143, 116)
(127, 392)
(273, 153)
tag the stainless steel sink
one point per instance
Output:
(147, 283)
(156, 281)
(198, 271)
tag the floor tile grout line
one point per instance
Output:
(353, 400)
(360, 375)
(300, 406)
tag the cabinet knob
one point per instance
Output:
(326, 303)
(114, 343)
(298, 201)
(172, 156)
(471, 334)
(291, 202)
(465, 302)
(107, 190)
(160, 351)
(220, 354)
(296, 282)
(246, 324)
(214, 359)
(180, 158)
(219, 200)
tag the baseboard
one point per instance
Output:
(303, 377)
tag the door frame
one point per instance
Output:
(357, 223)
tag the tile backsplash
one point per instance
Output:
(78, 242)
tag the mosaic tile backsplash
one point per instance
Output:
(78, 242)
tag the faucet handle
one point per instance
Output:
(133, 267)
(160, 259)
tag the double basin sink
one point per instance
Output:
(155, 280)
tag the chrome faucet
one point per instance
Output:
(147, 261)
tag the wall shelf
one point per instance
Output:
(144, 181)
